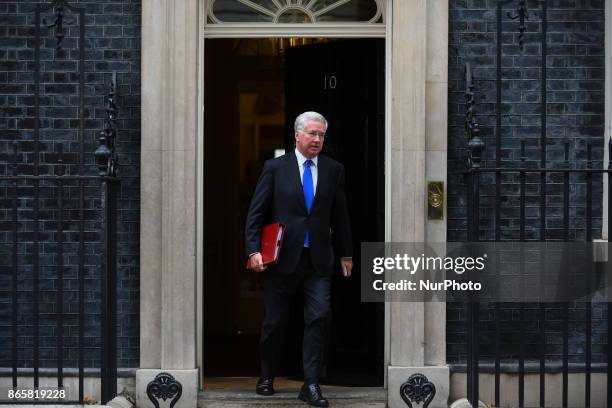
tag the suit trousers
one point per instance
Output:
(278, 292)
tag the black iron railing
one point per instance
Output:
(473, 184)
(548, 178)
(69, 185)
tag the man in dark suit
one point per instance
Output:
(304, 191)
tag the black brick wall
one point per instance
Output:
(575, 114)
(112, 43)
(575, 108)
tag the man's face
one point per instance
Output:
(309, 141)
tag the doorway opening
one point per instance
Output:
(254, 89)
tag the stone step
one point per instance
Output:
(289, 404)
(357, 397)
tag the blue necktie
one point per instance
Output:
(308, 187)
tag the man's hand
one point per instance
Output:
(347, 266)
(257, 263)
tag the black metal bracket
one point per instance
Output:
(59, 22)
(522, 14)
(471, 126)
(106, 155)
(164, 386)
(418, 389)
(472, 129)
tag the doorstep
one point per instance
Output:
(237, 395)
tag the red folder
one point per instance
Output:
(271, 241)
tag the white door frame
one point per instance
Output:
(284, 30)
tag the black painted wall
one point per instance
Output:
(575, 114)
(112, 43)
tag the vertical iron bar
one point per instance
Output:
(475, 352)
(14, 352)
(81, 200)
(60, 273)
(112, 282)
(498, 192)
(565, 353)
(497, 335)
(498, 87)
(109, 381)
(81, 88)
(473, 306)
(521, 372)
(589, 238)
(498, 97)
(543, 145)
(470, 227)
(589, 195)
(81, 285)
(542, 332)
(521, 369)
(36, 195)
(566, 202)
(104, 201)
(542, 335)
(543, 123)
(469, 323)
(522, 194)
(468, 364)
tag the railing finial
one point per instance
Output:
(58, 23)
(106, 156)
(522, 14)
(472, 129)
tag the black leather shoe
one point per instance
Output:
(264, 386)
(312, 395)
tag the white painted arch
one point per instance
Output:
(259, 30)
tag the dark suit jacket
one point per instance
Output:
(279, 197)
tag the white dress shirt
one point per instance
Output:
(313, 168)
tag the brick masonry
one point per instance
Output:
(575, 114)
(112, 43)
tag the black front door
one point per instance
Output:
(344, 81)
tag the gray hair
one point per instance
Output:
(300, 121)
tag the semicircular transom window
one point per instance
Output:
(294, 11)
